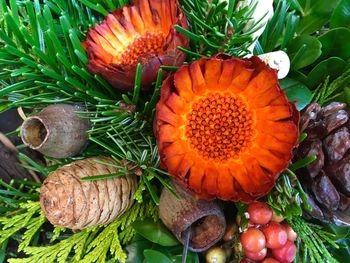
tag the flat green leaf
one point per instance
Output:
(155, 232)
(336, 42)
(191, 258)
(315, 14)
(135, 249)
(341, 15)
(153, 256)
(296, 92)
(331, 67)
(303, 51)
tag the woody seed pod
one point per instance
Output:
(56, 131)
(204, 218)
(70, 202)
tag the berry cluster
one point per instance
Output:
(267, 239)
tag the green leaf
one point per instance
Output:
(331, 67)
(153, 256)
(336, 42)
(135, 249)
(296, 92)
(303, 51)
(191, 258)
(315, 14)
(155, 232)
(341, 15)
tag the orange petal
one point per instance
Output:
(183, 83)
(127, 21)
(241, 80)
(274, 113)
(226, 185)
(176, 103)
(173, 162)
(146, 13)
(239, 172)
(167, 133)
(212, 73)
(210, 180)
(178, 147)
(227, 72)
(197, 77)
(136, 19)
(265, 98)
(118, 30)
(270, 142)
(254, 170)
(167, 115)
(196, 177)
(264, 81)
(285, 131)
(184, 167)
(268, 160)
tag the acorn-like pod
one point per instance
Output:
(57, 131)
(69, 202)
(204, 218)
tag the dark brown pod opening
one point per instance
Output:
(34, 132)
(204, 218)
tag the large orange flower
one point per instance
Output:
(143, 33)
(225, 128)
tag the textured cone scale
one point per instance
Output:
(143, 33)
(204, 218)
(327, 180)
(69, 202)
(225, 128)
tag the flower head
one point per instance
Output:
(225, 128)
(143, 33)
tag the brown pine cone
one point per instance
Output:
(327, 180)
(69, 202)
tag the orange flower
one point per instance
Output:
(225, 128)
(143, 33)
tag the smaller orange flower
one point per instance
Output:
(143, 33)
(225, 128)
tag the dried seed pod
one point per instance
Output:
(57, 131)
(69, 202)
(204, 218)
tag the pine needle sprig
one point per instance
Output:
(328, 92)
(216, 26)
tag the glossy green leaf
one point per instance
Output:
(155, 232)
(296, 92)
(303, 51)
(135, 249)
(331, 67)
(341, 15)
(336, 42)
(191, 258)
(315, 14)
(153, 256)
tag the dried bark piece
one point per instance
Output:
(69, 202)
(205, 218)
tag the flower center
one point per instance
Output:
(220, 126)
(142, 47)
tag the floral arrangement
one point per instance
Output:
(174, 131)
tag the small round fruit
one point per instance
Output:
(256, 256)
(270, 260)
(215, 255)
(253, 240)
(259, 213)
(276, 235)
(285, 254)
(292, 236)
(277, 218)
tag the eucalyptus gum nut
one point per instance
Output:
(57, 131)
(205, 218)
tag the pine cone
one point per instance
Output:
(69, 202)
(327, 180)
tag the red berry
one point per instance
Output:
(292, 236)
(259, 213)
(270, 260)
(285, 254)
(276, 235)
(256, 256)
(253, 240)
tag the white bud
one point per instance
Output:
(277, 60)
